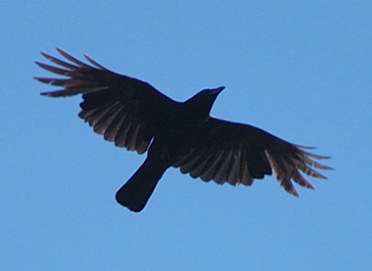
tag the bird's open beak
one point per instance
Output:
(218, 90)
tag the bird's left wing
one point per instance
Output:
(238, 153)
(123, 109)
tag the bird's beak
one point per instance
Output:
(218, 90)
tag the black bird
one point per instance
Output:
(135, 115)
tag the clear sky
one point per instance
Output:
(299, 69)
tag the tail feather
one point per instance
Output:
(135, 193)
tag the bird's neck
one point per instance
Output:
(198, 106)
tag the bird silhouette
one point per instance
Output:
(135, 115)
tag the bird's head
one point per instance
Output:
(212, 92)
(204, 99)
(207, 95)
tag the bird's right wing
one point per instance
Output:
(123, 109)
(238, 153)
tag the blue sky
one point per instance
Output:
(302, 71)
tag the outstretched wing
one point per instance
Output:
(238, 153)
(123, 109)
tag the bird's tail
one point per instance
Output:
(135, 193)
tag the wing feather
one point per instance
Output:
(123, 109)
(235, 153)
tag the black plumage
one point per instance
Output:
(133, 114)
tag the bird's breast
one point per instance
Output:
(174, 140)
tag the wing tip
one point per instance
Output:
(60, 51)
(294, 193)
(47, 94)
(40, 79)
(328, 168)
(38, 63)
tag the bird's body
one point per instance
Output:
(175, 135)
(135, 115)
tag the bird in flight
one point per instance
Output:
(135, 115)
